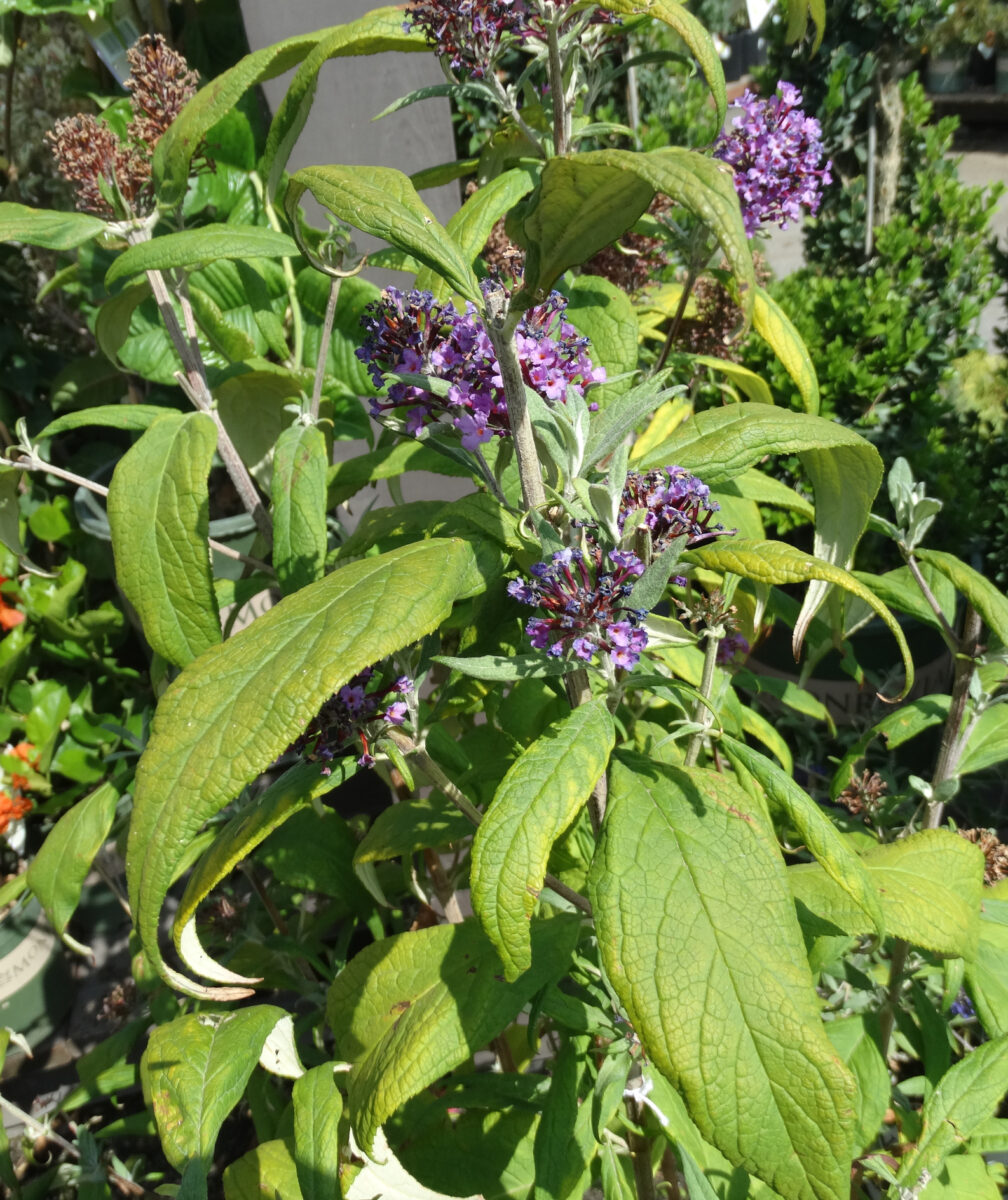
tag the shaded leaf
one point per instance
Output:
(300, 536)
(52, 230)
(318, 1107)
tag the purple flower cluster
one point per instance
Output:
(472, 33)
(675, 502)
(732, 647)
(354, 713)
(584, 603)
(413, 333)
(776, 153)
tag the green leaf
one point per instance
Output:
(115, 318)
(318, 1107)
(10, 512)
(985, 973)
(991, 604)
(815, 828)
(779, 562)
(346, 479)
(411, 1008)
(213, 733)
(698, 936)
(57, 872)
(764, 489)
(300, 536)
(158, 511)
(293, 791)
(265, 1172)
(901, 726)
(559, 1165)
(536, 802)
(610, 427)
(774, 326)
(988, 743)
(604, 314)
(52, 230)
(752, 386)
(471, 225)
(967, 1095)
(693, 33)
(504, 668)
(857, 1045)
(195, 1069)
(579, 207)
(929, 885)
(132, 417)
(194, 247)
(413, 825)
(374, 33)
(383, 202)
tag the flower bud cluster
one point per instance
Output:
(413, 333)
(675, 502)
(777, 154)
(353, 713)
(584, 600)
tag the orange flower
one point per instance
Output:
(10, 617)
(27, 753)
(12, 808)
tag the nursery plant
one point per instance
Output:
(593, 932)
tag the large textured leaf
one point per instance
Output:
(929, 885)
(604, 314)
(988, 743)
(318, 1107)
(195, 1069)
(377, 31)
(265, 1172)
(856, 1041)
(292, 792)
(991, 604)
(229, 715)
(585, 203)
(698, 936)
(692, 32)
(300, 536)
(774, 326)
(383, 202)
(134, 417)
(985, 974)
(471, 225)
(57, 872)
(412, 825)
(412, 1007)
(966, 1095)
(193, 247)
(158, 511)
(536, 801)
(52, 230)
(779, 562)
(817, 831)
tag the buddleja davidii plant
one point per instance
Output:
(374, 606)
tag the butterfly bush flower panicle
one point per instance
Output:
(360, 711)
(583, 599)
(777, 155)
(412, 333)
(675, 504)
(470, 34)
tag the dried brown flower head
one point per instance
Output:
(863, 795)
(89, 154)
(995, 853)
(160, 86)
(111, 174)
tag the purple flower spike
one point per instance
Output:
(777, 155)
(354, 714)
(584, 605)
(676, 503)
(412, 333)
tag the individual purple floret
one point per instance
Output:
(777, 155)
(354, 713)
(731, 647)
(677, 503)
(962, 1006)
(414, 333)
(584, 603)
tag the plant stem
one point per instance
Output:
(500, 326)
(297, 321)
(947, 631)
(702, 713)
(323, 353)
(692, 275)
(512, 109)
(640, 1154)
(561, 116)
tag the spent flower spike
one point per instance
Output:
(411, 332)
(354, 713)
(584, 602)
(777, 155)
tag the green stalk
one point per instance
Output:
(702, 715)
